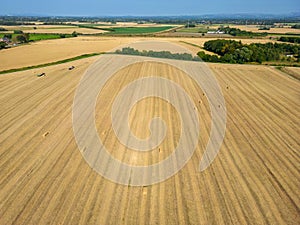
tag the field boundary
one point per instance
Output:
(287, 72)
(51, 63)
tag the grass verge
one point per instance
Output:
(50, 64)
(188, 43)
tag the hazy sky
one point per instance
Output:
(149, 7)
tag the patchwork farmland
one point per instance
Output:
(45, 180)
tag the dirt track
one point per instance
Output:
(254, 179)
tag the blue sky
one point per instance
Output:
(146, 8)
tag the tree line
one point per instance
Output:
(160, 54)
(239, 32)
(231, 51)
(15, 23)
(296, 26)
(290, 39)
(20, 37)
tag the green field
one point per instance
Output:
(284, 35)
(137, 30)
(39, 37)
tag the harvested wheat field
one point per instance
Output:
(69, 30)
(293, 71)
(158, 45)
(254, 179)
(38, 26)
(54, 50)
(53, 29)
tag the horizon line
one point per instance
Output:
(291, 14)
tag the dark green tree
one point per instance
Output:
(2, 44)
(22, 38)
(18, 32)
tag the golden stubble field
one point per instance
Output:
(253, 180)
(53, 29)
(60, 30)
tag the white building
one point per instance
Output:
(216, 32)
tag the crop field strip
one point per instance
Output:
(61, 49)
(254, 178)
(91, 29)
(283, 30)
(137, 30)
